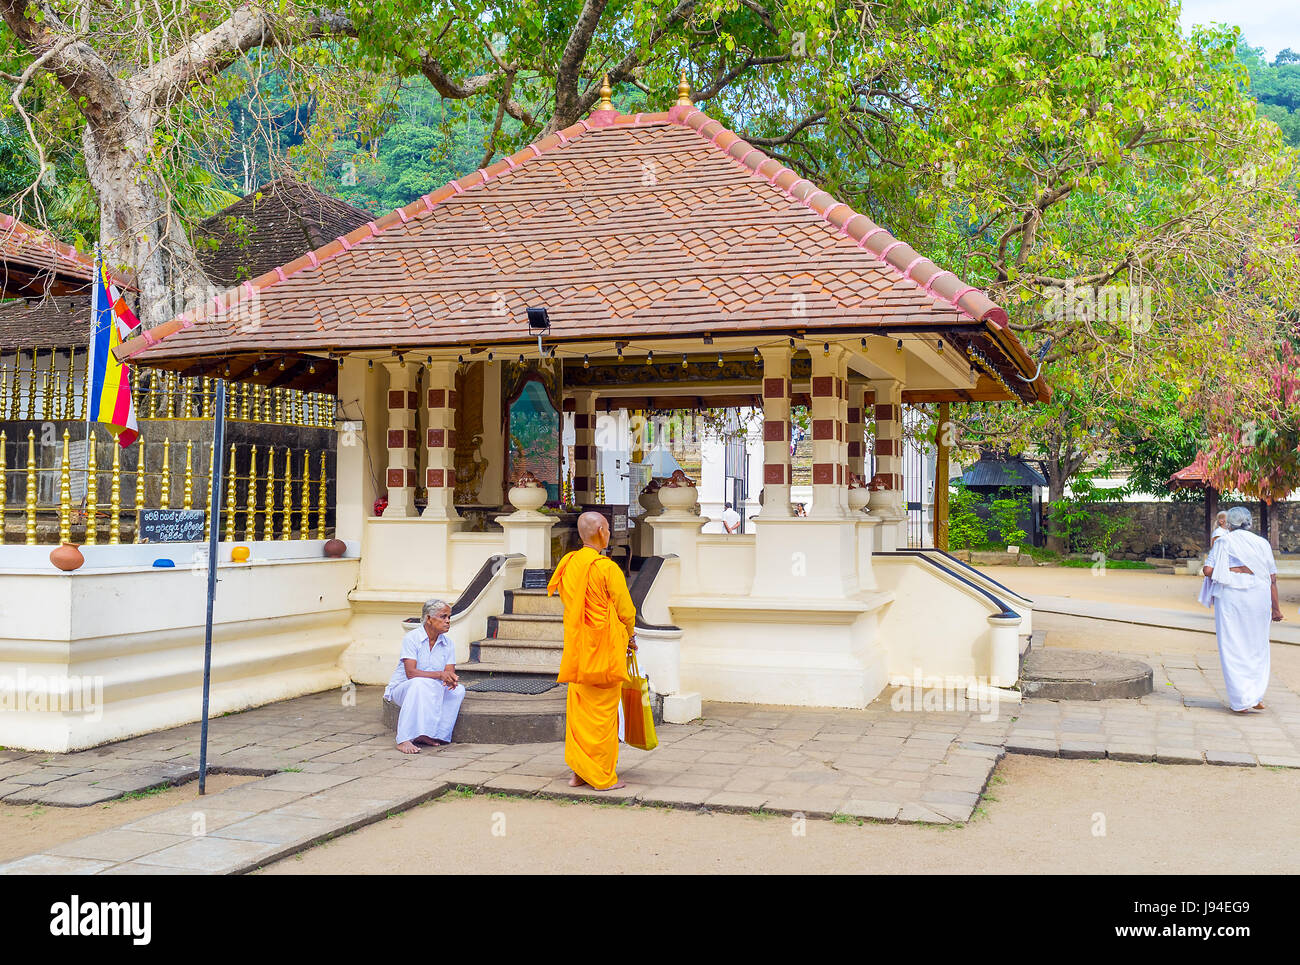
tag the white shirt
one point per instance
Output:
(730, 518)
(415, 646)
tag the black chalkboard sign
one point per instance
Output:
(171, 525)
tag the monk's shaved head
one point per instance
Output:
(594, 530)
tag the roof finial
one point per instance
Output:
(684, 92)
(606, 104)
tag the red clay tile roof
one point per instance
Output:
(34, 263)
(278, 221)
(1193, 476)
(39, 323)
(621, 226)
(282, 219)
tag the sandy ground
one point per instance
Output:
(1041, 816)
(1127, 587)
(31, 827)
(1138, 588)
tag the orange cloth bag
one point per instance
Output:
(638, 717)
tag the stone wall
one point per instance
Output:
(1178, 529)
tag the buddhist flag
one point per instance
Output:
(108, 380)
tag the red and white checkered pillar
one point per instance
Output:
(584, 448)
(854, 428)
(440, 439)
(401, 439)
(776, 431)
(829, 411)
(888, 410)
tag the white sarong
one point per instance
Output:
(428, 708)
(1243, 614)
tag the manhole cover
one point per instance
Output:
(512, 685)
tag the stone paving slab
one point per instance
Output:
(330, 768)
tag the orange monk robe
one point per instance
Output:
(599, 618)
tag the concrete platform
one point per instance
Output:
(1057, 674)
(487, 718)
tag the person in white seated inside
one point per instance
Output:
(424, 685)
(1242, 585)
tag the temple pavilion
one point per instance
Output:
(636, 262)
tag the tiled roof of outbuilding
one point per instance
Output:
(259, 231)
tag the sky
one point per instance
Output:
(1271, 24)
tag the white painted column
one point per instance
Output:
(776, 431)
(440, 439)
(829, 409)
(854, 428)
(401, 439)
(888, 410)
(363, 416)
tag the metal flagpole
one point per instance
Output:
(90, 358)
(215, 469)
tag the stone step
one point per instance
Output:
(510, 652)
(502, 718)
(1054, 673)
(536, 579)
(484, 667)
(533, 602)
(527, 626)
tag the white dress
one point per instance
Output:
(428, 707)
(1243, 614)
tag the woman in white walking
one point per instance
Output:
(1243, 586)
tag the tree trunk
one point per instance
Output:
(137, 227)
(1055, 492)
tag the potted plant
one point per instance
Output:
(528, 494)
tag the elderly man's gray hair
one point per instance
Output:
(1239, 518)
(432, 608)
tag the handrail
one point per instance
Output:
(983, 575)
(476, 587)
(1005, 611)
(640, 589)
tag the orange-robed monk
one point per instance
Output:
(599, 630)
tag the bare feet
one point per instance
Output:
(612, 787)
(406, 747)
(575, 780)
(1259, 706)
(426, 741)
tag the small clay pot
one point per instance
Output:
(335, 548)
(67, 557)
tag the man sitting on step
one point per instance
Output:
(424, 685)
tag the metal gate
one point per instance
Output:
(918, 475)
(736, 473)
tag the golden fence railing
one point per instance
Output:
(269, 503)
(48, 384)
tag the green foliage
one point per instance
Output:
(1080, 523)
(1155, 439)
(1276, 86)
(1005, 514)
(1088, 563)
(966, 529)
